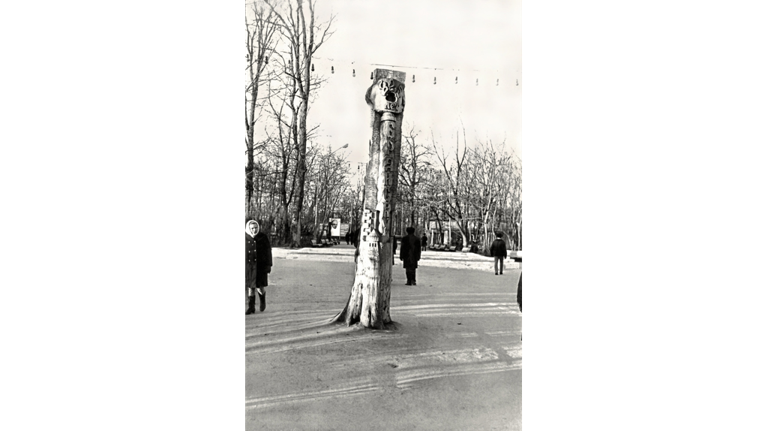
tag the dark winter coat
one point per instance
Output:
(423, 240)
(499, 248)
(250, 262)
(410, 251)
(263, 259)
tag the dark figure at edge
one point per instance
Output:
(520, 292)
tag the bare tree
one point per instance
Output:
(511, 201)
(332, 182)
(486, 166)
(413, 166)
(303, 38)
(456, 183)
(259, 43)
(284, 107)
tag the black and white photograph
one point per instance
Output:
(383, 215)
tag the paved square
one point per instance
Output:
(454, 361)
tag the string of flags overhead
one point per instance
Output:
(440, 71)
(413, 76)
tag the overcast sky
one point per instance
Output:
(478, 42)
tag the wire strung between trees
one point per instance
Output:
(413, 76)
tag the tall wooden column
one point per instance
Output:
(368, 302)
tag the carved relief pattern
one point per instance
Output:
(387, 147)
(386, 98)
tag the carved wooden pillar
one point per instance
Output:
(369, 300)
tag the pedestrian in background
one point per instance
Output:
(499, 253)
(251, 229)
(424, 242)
(410, 254)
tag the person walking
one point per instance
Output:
(424, 242)
(410, 254)
(499, 253)
(251, 229)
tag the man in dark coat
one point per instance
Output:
(251, 274)
(424, 242)
(499, 253)
(410, 254)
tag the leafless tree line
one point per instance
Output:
(281, 39)
(472, 192)
(294, 185)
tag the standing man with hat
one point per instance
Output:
(410, 254)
